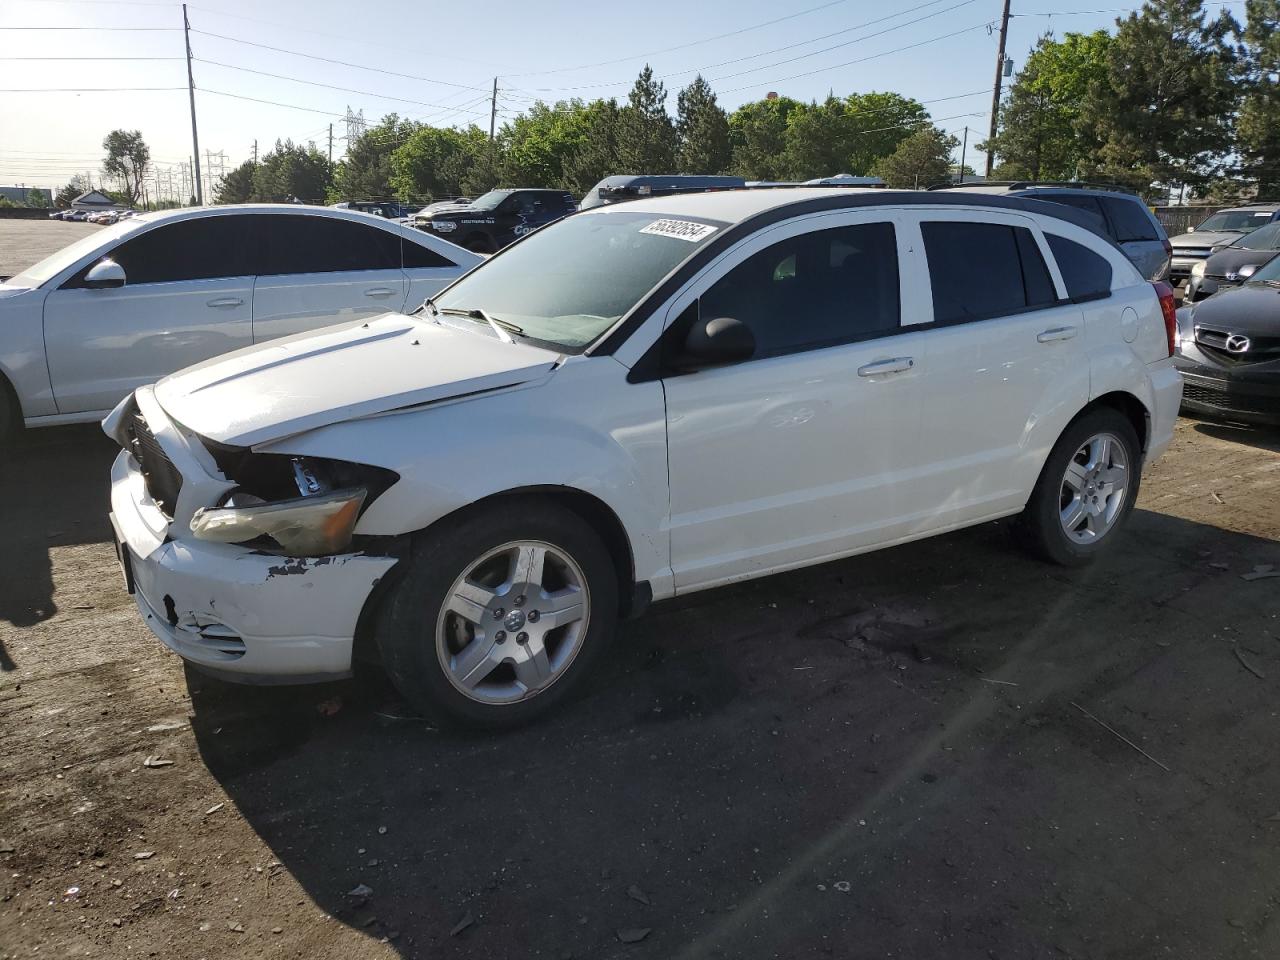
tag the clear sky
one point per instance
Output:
(551, 49)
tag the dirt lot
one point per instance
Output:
(899, 755)
(23, 242)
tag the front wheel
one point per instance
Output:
(1086, 490)
(500, 614)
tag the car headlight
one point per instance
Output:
(301, 506)
(304, 526)
(1197, 270)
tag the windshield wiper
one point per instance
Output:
(428, 304)
(500, 327)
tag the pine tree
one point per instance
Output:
(1258, 126)
(646, 135)
(702, 128)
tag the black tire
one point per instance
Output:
(10, 417)
(1040, 526)
(407, 627)
(479, 245)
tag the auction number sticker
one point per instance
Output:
(680, 229)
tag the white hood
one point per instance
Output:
(287, 386)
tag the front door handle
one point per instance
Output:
(225, 302)
(895, 365)
(379, 292)
(1056, 333)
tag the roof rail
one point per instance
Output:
(1026, 184)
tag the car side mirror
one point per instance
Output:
(106, 274)
(716, 342)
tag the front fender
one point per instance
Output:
(585, 428)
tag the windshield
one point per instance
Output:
(1269, 273)
(1267, 238)
(1240, 221)
(55, 263)
(490, 200)
(567, 284)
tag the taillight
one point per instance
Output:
(1170, 310)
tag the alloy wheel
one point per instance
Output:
(513, 622)
(1094, 488)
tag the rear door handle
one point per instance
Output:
(225, 302)
(896, 365)
(379, 292)
(1056, 333)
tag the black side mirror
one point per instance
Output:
(716, 342)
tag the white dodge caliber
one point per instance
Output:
(635, 403)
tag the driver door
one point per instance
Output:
(804, 451)
(187, 297)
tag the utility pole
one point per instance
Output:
(493, 109)
(330, 145)
(963, 150)
(191, 92)
(995, 93)
(255, 153)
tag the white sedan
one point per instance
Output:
(162, 291)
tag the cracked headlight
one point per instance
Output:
(304, 527)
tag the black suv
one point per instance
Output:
(495, 219)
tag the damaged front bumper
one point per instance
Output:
(234, 611)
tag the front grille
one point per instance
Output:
(1214, 343)
(164, 482)
(1242, 403)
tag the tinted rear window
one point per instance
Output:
(1081, 202)
(308, 244)
(1130, 219)
(981, 270)
(1087, 275)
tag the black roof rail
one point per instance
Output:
(1027, 184)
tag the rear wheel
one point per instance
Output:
(500, 614)
(1086, 490)
(478, 245)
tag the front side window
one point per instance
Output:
(566, 285)
(295, 243)
(813, 290)
(202, 248)
(984, 270)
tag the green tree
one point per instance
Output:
(237, 186)
(291, 172)
(646, 135)
(365, 172)
(75, 186)
(702, 130)
(922, 158)
(1165, 109)
(1042, 134)
(848, 135)
(1258, 126)
(440, 162)
(758, 138)
(596, 155)
(538, 144)
(127, 159)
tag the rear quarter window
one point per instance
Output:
(1086, 274)
(1131, 220)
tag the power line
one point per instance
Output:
(342, 63)
(86, 89)
(316, 83)
(683, 46)
(90, 58)
(273, 103)
(100, 29)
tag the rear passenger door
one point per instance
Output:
(1005, 367)
(318, 270)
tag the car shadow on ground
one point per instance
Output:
(897, 750)
(1261, 437)
(61, 474)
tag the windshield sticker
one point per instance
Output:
(680, 229)
(1264, 213)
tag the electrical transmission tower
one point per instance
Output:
(355, 124)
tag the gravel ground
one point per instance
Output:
(940, 750)
(24, 242)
